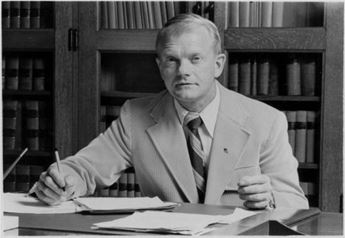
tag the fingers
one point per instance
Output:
(250, 180)
(256, 205)
(56, 175)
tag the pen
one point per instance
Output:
(14, 163)
(57, 158)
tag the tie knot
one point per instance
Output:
(195, 123)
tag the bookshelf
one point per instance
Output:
(81, 92)
(34, 62)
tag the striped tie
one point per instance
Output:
(197, 156)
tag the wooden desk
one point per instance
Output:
(80, 224)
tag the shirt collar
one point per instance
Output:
(208, 115)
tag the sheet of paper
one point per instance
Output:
(10, 222)
(22, 203)
(237, 215)
(120, 203)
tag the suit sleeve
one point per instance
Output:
(102, 161)
(277, 161)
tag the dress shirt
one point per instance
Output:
(209, 117)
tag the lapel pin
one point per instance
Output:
(226, 150)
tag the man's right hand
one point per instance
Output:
(53, 188)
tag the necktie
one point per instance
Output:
(197, 156)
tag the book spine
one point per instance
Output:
(130, 184)
(114, 190)
(125, 15)
(102, 124)
(10, 108)
(44, 137)
(145, 14)
(112, 113)
(19, 127)
(123, 185)
(277, 14)
(112, 18)
(244, 77)
(291, 118)
(121, 16)
(12, 73)
(170, 9)
(103, 192)
(308, 77)
(253, 14)
(234, 11)
(32, 124)
(273, 89)
(253, 77)
(22, 177)
(310, 136)
(138, 15)
(3, 72)
(266, 14)
(10, 181)
(233, 75)
(244, 14)
(137, 191)
(157, 14)
(39, 76)
(6, 16)
(35, 14)
(25, 14)
(35, 172)
(104, 15)
(25, 73)
(15, 14)
(301, 135)
(263, 77)
(163, 12)
(293, 77)
(130, 15)
(151, 15)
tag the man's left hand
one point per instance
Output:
(256, 191)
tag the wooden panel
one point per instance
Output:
(332, 136)
(40, 39)
(126, 40)
(64, 115)
(275, 38)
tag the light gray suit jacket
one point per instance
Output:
(250, 138)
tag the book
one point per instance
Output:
(291, 118)
(32, 124)
(138, 15)
(277, 14)
(145, 15)
(310, 137)
(102, 123)
(103, 192)
(12, 72)
(263, 76)
(164, 13)
(244, 14)
(157, 15)
(104, 15)
(273, 88)
(35, 14)
(308, 77)
(6, 21)
(44, 135)
(10, 108)
(123, 185)
(10, 181)
(39, 75)
(125, 15)
(233, 74)
(293, 77)
(130, 15)
(253, 77)
(266, 17)
(151, 15)
(211, 11)
(137, 191)
(114, 190)
(112, 15)
(196, 7)
(121, 15)
(170, 9)
(244, 77)
(301, 135)
(35, 172)
(3, 72)
(22, 177)
(25, 14)
(130, 184)
(254, 14)
(25, 73)
(112, 113)
(15, 14)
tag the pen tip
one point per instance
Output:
(55, 150)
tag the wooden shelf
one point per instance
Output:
(308, 166)
(28, 39)
(23, 93)
(275, 39)
(29, 153)
(124, 40)
(287, 98)
(122, 94)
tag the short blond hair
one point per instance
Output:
(180, 23)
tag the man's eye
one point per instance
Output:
(170, 59)
(196, 59)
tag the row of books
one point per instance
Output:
(26, 123)
(273, 14)
(308, 188)
(109, 113)
(252, 76)
(146, 14)
(24, 73)
(26, 14)
(22, 177)
(302, 136)
(125, 186)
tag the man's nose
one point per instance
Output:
(184, 68)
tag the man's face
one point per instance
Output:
(189, 65)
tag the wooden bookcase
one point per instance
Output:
(78, 94)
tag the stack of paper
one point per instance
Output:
(173, 223)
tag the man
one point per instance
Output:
(195, 142)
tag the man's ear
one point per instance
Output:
(219, 64)
(158, 61)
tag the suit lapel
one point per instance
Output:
(230, 139)
(168, 138)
